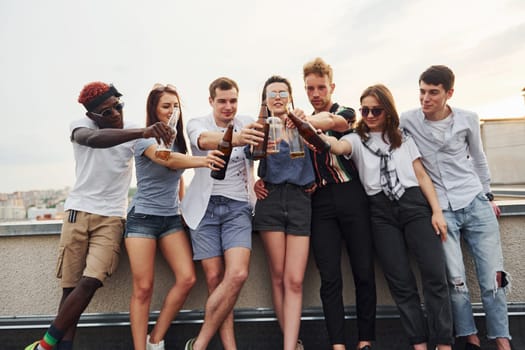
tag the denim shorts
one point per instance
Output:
(226, 224)
(287, 208)
(151, 226)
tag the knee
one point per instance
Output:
(186, 282)
(89, 284)
(502, 279)
(277, 279)
(237, 276)
(294, 285)
(459, 285)
(143, 292)
(213, 279)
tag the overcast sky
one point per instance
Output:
(50, 49)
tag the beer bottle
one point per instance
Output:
(306, 130)
(259, 151)
(225, 146)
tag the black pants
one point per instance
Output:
(400, 226)
(340, 212)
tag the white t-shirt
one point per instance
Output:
(439, 127)
(368, 164)
(202, 185)
(103, 175)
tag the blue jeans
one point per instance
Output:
(478, 226)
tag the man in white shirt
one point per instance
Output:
(96, 206)
(452, 152)
(219, 212)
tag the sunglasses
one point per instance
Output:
(376, 111)
(164, 87)
(108, 112)
(281, 94)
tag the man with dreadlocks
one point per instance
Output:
(92, 229)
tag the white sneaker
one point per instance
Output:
(150, 346)
(299, 345)
(189, 344)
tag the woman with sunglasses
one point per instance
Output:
(282, 217)
(154, 220)
(405, 216)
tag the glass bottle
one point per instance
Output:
(259, 151)
(306, 130)
(225, 146)
(163, 150)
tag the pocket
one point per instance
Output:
(134, 215)
(115, 258)
(60, 262)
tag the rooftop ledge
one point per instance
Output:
(509, 207)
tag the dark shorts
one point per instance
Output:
(287, 208)
(151, 226)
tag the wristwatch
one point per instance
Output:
(489, 196)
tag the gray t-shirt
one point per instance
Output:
(157, 185)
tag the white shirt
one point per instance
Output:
(103, 175)
(197, 196)
(368, 164)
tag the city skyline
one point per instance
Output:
(51, 49)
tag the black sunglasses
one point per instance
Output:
(108, 112)
(376, 111)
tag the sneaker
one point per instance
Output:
(470, 346)
(32, 346)
(299, 345)
(150, 346)
(189, 344)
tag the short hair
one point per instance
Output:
(222, 83)
(95, 93)
(438, 74)
(385, 98)
(151, 112)
(318, 67)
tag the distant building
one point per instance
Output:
(34, 213)
(12, 207)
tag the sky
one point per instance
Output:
(50, 49)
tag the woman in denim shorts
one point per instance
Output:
(282, 217)
(154, 219)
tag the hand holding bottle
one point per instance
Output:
(164, 149)
(307, 131)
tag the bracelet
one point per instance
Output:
(489, 196)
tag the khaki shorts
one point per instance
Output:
(89, 246)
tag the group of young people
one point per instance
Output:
(390, 186)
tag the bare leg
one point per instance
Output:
(295, 266)
(473, 339)
(222, 300)
(503, 344)
(74, 302)
(69, 334)
(141, 252)
(214, 271)
(275, 247)
(177, 252)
